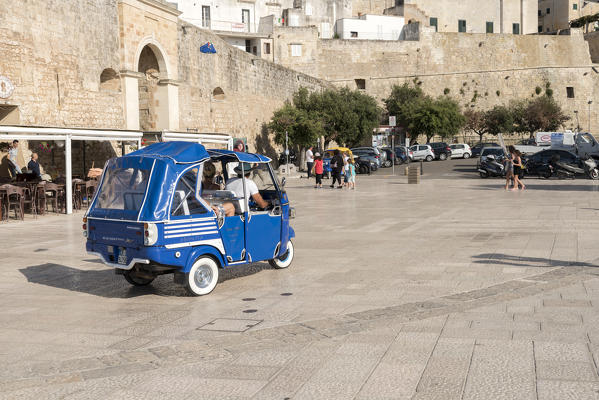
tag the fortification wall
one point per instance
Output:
(253, 88)
(478, 70)
(54, 52)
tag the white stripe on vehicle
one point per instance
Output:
(190, 234)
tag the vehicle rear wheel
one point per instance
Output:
(202, 277)
(133, 278)
(285, 260)
(442, 156)
(466, 155)
(594, 174)
(429, 158)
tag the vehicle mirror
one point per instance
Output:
(283, 181)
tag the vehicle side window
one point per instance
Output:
(422, 148)
(414, 148)
(460, 146)
(185, 201)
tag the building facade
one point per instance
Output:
(467, 16)
(555, 15)
(371, 27)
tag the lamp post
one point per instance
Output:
(577, 121)
(589, 103)
(287, 151)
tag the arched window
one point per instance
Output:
(218, 94)
(109, 80)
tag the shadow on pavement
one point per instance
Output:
(106, 283)
(556, 187)
(506, 259)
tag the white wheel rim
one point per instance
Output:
(203, 276)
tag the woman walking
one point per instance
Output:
(318, 170)
(336, 167)
(509, 171)
(517, 162)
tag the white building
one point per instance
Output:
(370, 27)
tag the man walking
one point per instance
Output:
(309, 160)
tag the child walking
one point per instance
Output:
(351, 180)
(317, 170)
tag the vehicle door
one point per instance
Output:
(586, 145)
(457, 150)
(266, 232)
(424, 151)
(191, 219)
(232, 230)
(415, 152)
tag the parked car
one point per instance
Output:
(370, 153)
(407, 151)
(402, 155)
(364, 166)
(390, 157)
(497, 152)
(441, 149)
(422, 152)
(460, 150)
(477, 148)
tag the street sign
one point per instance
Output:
(392, 121)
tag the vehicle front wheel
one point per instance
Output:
(388, 164)
(202, 277)
(285, 260)
(136, 280)
(442, 157)
(466, 155)
(484, 174)
(429, 158)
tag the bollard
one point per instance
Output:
(421, 166)
(414, 173)
(406, 171)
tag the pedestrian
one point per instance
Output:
(509, 171)
(12, 157)
(318, 170)
(352, 175)
(309, 160)
(517, 162)
(345, 170)
(336, 168)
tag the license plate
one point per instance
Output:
(122, 256)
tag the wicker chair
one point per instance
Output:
(52, 195)
(14, 198)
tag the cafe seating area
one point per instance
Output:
(32, 197)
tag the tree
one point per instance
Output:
(543, 114)
(342, 115)
(402, 103)
(499, 119)
(302, 130)
(436, 117)
(475, 122)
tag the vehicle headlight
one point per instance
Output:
(150, 234)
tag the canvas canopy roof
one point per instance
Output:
(240, 156)
(178, 152)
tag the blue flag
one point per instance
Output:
(208, 48)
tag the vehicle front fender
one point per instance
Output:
(291, 233)
(202, 251)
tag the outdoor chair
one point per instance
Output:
(15, 199)
(41, 198)
(79, 187)
(90, 189)
(51, 195)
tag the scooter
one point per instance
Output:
(587, 167)
(491, 167)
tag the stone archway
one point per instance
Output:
(152, 94)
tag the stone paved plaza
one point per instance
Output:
(450, 289)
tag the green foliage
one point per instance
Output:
(543, 114)
(498, 93)
(440, 117)
(499, 120)
(549, 92)
(538, 90)
(446, 91)
(343, 115)
(462, 92)
(475, 122)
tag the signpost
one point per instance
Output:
(392, 123)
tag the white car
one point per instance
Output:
(422, 152)
(460, 150)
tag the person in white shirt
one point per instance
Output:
(12, 156)
(236, 186)
(309, 160)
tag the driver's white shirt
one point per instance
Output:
(236, 186)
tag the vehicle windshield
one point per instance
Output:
(123, 189)
(496, 151)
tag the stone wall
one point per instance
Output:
(252, 88)
(478, 70)
(54, 52)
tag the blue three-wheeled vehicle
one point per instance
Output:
(176, 207)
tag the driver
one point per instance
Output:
(236, 186)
